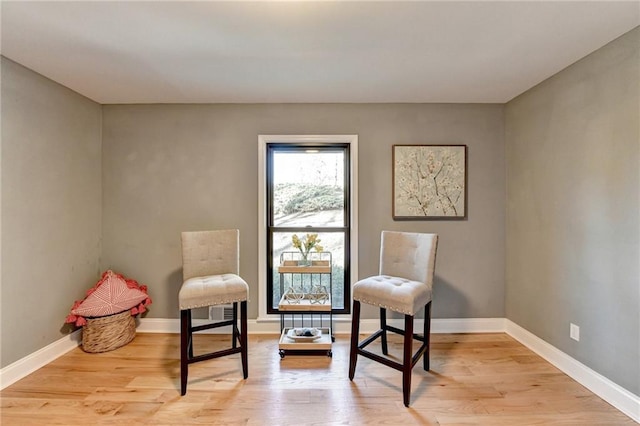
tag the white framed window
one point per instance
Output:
(276, 151)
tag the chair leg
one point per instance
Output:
(244, 339)
(383, 327)
(189, 334)
(407, 359)
(234, 331)
(427, 337)
(355, 330)
(185, 325)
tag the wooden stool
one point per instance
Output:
(407, 262)
(211, 263)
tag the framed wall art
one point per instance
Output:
(429, 182)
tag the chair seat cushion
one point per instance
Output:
(394, 293)
(212, 290)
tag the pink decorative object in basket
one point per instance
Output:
(106, 314)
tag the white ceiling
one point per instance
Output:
(349, 51)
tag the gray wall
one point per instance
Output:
(51, 207)
(573, 211)
(171, 168)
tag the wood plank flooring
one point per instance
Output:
(476, 379)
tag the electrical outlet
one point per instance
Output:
(574, 332)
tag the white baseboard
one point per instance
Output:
(619, 397)
(622, 399)
(27, 365)
(466, 325)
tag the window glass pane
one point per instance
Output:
(332, 244)
(308, 189)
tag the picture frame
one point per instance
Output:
(429, 182)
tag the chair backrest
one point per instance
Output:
(408, 255)
(210, 253)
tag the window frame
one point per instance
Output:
(271, 149)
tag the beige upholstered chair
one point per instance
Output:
(407, 262)
(211, 263)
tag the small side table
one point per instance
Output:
(311, 298)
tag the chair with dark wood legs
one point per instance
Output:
(407, 263)
(210, 264)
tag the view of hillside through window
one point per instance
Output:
(308, 195)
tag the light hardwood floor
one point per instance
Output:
(476, 379)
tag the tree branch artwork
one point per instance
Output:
(429, 181)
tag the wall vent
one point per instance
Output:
(221, 312)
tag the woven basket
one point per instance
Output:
(107, 333)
